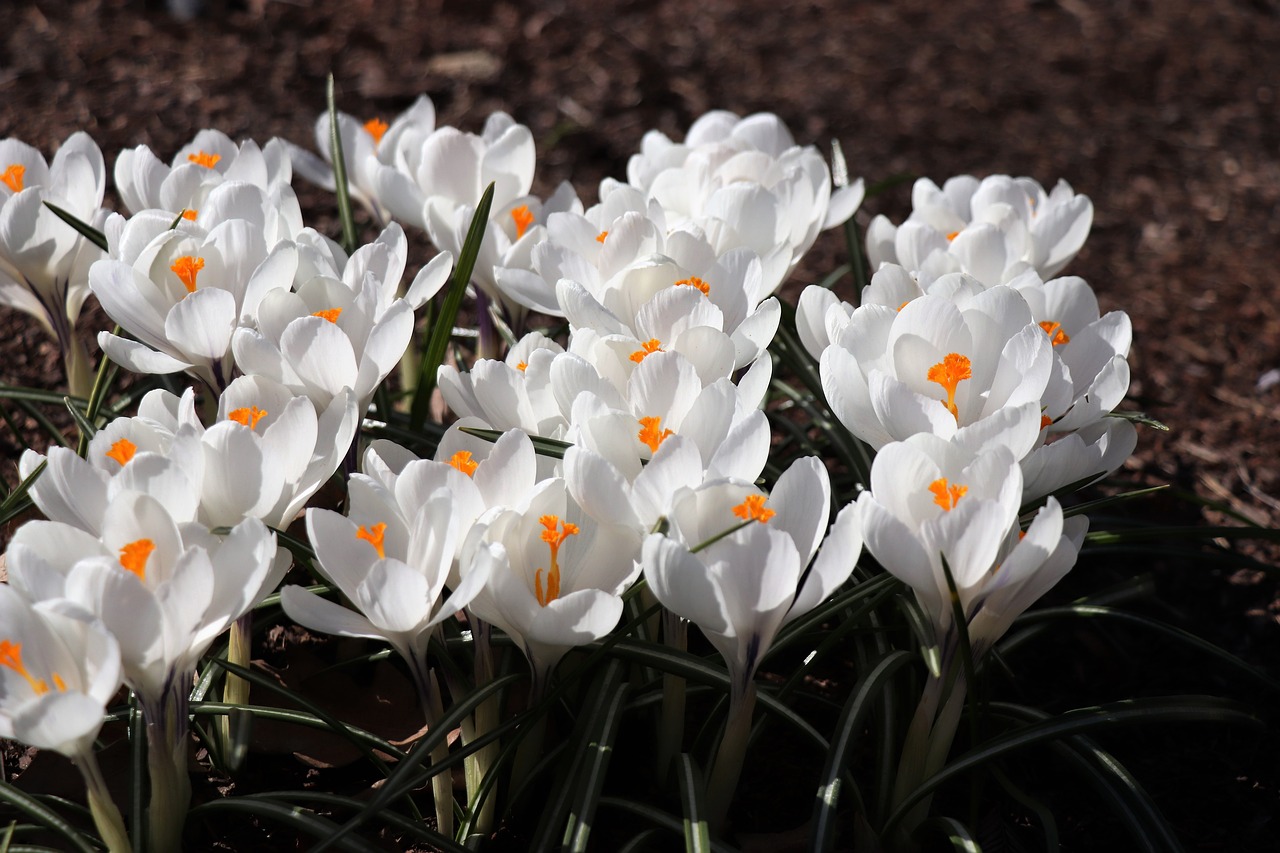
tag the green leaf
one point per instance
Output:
(414, 828)
(593, 757)
(438, 342)
(87, 430)
(103, 379)
(298, 819)
(339, 160)
(658, 818)
(1138, 418)
(954, 831)
(822, 835)
(93, 235)
(697, 833)
(551, 447)
(45, 816)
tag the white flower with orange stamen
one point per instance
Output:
(743, 583)
(146, 183)
(44, 262)
(746, 184)
(514, 393)
(556, 576)
(994, 229)
(932, 500)
(368, 145)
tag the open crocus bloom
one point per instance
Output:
(932, 500)
(58, 670)
(556, 576)
(743, 587)
(994, 229)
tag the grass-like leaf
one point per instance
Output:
(87, 430)
(954, 831)
(293, 817)
(93, 235)
(439, 334)
(415, 828)
(658, 818)
(338, 157)
(46, 817)
(822, 835)
(551, 447)
(595, 754)
(103, 379)
(697, 833)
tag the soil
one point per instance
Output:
(1163, 112)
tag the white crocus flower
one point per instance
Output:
(514, 393)
(993, 229)
(367, 147)
(556, 576)
(146, 183)
(58, 671)
(44, 262)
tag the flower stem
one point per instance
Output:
(432, 710)
(105, 814)
(167, 728)
(485, 719)
(727, 768)
(675, 634)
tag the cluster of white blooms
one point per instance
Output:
(980, 385)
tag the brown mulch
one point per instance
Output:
(1164, 112)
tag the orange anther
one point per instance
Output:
(600, 237)
(201, 158)
(376, 127)
(949, 373)
(554, 538)
(753, 509)
(122, 451)
(651, 435)
(647, 348)
(11, 657)
(952, 236)
(1054, 330)
(947, 496)
(694, 281)
(189, 215)
(330, 314)
(248, 416)
(12, 176)
(186, 268)
(133, 557)
(522, 366)
(374, 535)
(523, 219)
(463, 462)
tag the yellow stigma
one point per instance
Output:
(600, 237)
(201, 158)
(651, 435)
(463, 462)
(373, 535)
(376, 128)
(330, 314)
(753, 509)
(1054, 330)
(522, 366)
(248, 416)
(133, 557)
(11, 657)
(647, 348)
(694, 281)
(554, 538)
(523, 219)
(1045, 420)
(12, 176)
(186, 268)
(189, 215)
(122, 451)
(949, 373)
(947, 496)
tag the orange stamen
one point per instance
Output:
(1045, 420)
(903, 305)
(650, 435)
(523, 219)
(186, 268)
(949, 373)
(522, 366)
(463, 462)
(330, 314)
(600, 237)
(952, 236)
(11, 657)
(376, 127)
(201, 158)
(753, 509)
(122, 451)
(133, 557)
(554, 539)
(12, 176)
(1054, 330)
(694, 281)
(947, 496)
(374, 535)
(248, 416)
(189, 215)
(647, 348)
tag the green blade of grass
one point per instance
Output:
(93, 235)
(551, 447)
(439, 334)
(659, 818)
(697, 833)
(339, 160)
(293, 817)
(596, 753)
(954, 831)
(46, 817)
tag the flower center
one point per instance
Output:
(554, 533)
(186, 268)
(330, 314)
(949, 373)
(463, 462)
(202, 158)
(248, 416)
(133, 557)
(122, 451)
(647, 348)
(11, 657)
(947, 495)
(600, 237)
(374, 535)
(12, 176)
(189, 215)
(522, 366)
(952, 236)
(523, 219)
(1054, 330)
(1045, 420)
(651, 434)
(753, 509)
(376, 127)
(694, 281)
